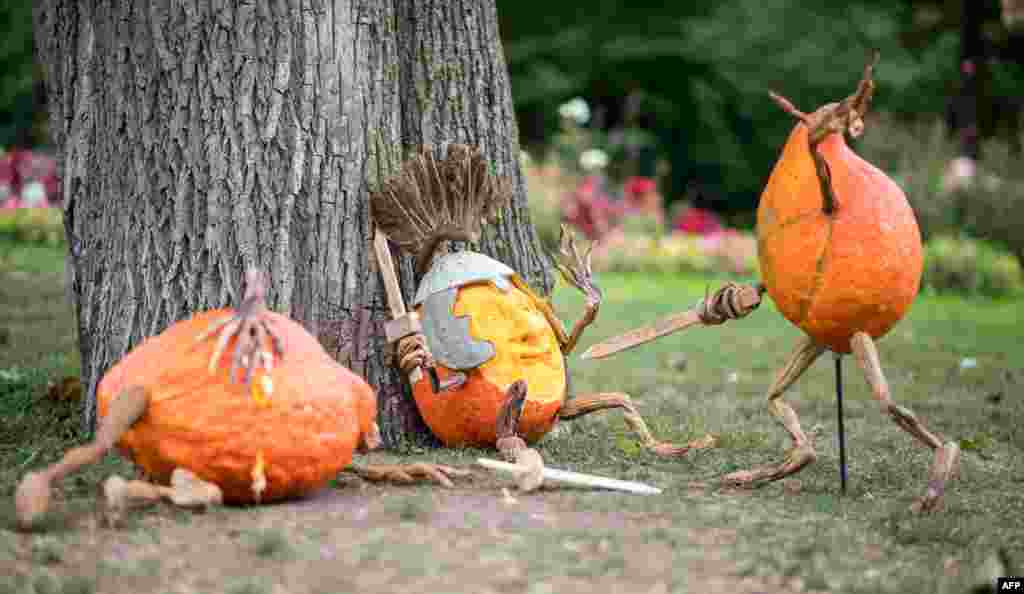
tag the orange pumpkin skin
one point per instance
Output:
(526, 348)
(468, 416)
(301, 436)
(858, 269)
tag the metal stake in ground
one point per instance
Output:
(842, 433)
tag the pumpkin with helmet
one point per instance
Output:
(490, 350)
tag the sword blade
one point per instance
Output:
(639, 336)
(575, 478)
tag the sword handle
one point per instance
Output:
(394, 291)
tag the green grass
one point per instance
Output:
(267, 542)
(686, 385)
(30, 258)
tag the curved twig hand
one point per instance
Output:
(252, 329)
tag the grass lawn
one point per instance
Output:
(954, 362)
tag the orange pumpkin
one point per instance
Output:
(257, 445)
(856, 269)
(526, 347)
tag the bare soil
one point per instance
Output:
(479, 538)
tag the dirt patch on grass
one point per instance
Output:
(373, 538)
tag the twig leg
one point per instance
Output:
(409, 473)
(511, 446)
(802, 453)
(32, 498)
(590, 403)
(947, 454)
(509, 442)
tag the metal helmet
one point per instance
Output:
(448, 336)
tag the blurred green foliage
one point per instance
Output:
(681, 82)
(971, 267)
(989, 208)
(42, 226)
(701, 72)
(18, 72)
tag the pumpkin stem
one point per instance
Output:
(250, 327)
(843, 117)
(32, 498)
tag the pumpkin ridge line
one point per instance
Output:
(819, 272)
(793, 220)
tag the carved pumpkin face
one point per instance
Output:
(525, 347)
(857, 269)
(255, 444)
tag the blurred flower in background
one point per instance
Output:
(698, 221)
(575, 109)
(28, 179)
(593, 159)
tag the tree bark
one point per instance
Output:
(199, 138)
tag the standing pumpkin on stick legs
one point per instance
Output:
(490, 353)
(840, 254)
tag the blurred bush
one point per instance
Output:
(33, 225)
(972, 267)
(916, 156)
(690, 79)
(951, 196)
(730, 253)
(993, 207)
(19, 114)
(544, 187)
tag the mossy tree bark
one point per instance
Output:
(197, 139)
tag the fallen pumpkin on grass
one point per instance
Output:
(199, 437)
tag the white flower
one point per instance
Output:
(34, 194)
(592, 159)
(959, 174)
(968, 363)
(575, 109)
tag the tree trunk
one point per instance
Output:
(197, 139)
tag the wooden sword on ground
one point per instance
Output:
(572, 478)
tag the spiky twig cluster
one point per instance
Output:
(846, 116)
(430, 200)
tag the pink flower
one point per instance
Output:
(637, 187)
(698, 221)
(590, 209)
(30, 175)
